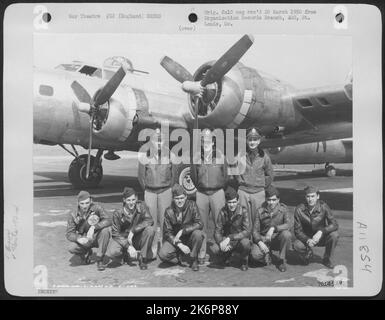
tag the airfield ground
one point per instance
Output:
(54, 197)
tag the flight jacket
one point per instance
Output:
(189, 222)
(157, 177)
(234, 225)
(278, 219)
(77, 225)
(258, 173)
(122, 224)
(306, 224)
(210, 177)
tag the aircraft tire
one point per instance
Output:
(183, 178)
(330, 171)
(77, 173)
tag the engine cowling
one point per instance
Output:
(225, 104)
(243, 98)
(117, 122)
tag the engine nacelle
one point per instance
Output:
(222, 101)
(242, 98)
(118, 122)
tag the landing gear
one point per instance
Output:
(330, 171)
(77, 172)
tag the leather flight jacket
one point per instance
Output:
(137, 221)
(78, 226)
(234, 225)
(210, 177)
(258, 173)
(306, 224)
(264, 219)
(187, 219)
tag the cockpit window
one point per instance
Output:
(88, 70)
(68, 66)
(85, 69)
(45, 90)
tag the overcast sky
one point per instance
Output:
(303, 61)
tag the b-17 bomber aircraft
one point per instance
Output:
(104, 109)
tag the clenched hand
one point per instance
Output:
(225, 244)
(185, 249)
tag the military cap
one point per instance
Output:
(311, 189)
(177, 190)
(253, 132)
(128, 192)
(230, 193)
(83, 195)
(271, 191)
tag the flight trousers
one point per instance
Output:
(101, 240)
(329, 242)
(209, 203)
(251, 201)
(280, 241)
(141, 241)
(242, 247)
(169, 252)
(157, 204)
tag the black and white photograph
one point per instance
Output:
(87, 118)
(192, 160)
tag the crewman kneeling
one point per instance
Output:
(132, 230)
(271, 230)
(182, 229)
(87, 228)
(315, 225)
(232, 230)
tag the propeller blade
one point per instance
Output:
(196, 104)
(80, 93)
(89, 147)
(177, 71)
(109, 88)
(228, 60)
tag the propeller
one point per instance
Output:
(228, 60)
(92, 105)
(177, 71)
(216, 72)
(89, 145)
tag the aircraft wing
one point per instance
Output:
(322, 133)
(326, 114)
(324, 105)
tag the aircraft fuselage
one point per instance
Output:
(243, 98)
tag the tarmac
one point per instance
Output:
(54, 198)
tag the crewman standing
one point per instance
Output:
(132, 230)
(257, 176)
(271, 230)
(209, 177)
(315, 225)
(88, 227)
(182, 230)
(232, 230)
(156, 180)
